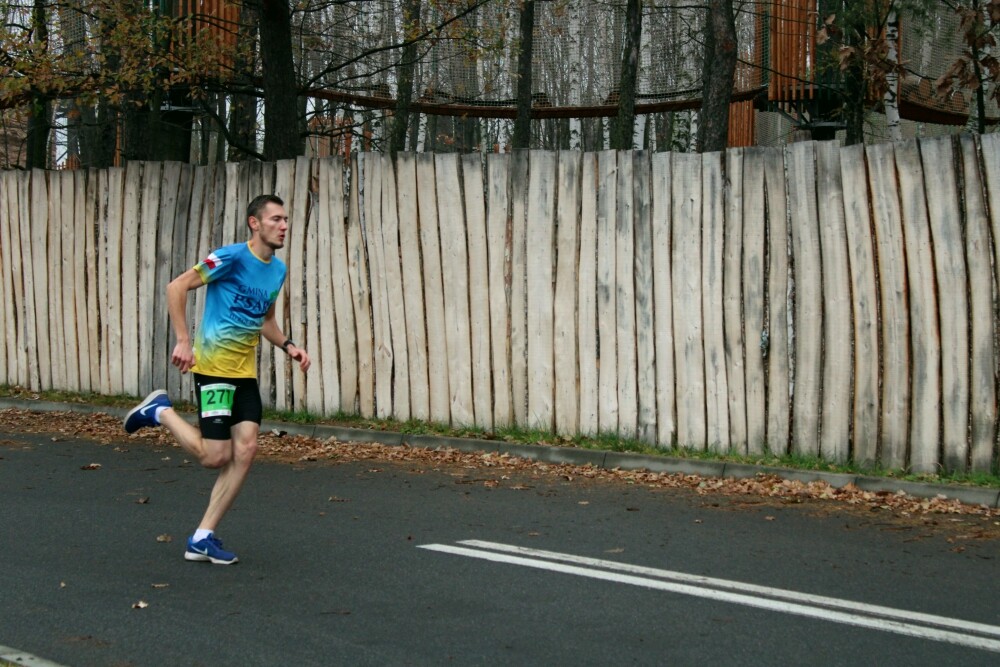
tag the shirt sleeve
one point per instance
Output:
(215, 266)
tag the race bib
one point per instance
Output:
(217, 399)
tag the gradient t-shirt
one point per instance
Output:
(241, 289)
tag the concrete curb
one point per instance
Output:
(970, 495)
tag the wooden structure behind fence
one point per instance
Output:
(825, 301)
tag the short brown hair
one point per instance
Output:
(259, 203)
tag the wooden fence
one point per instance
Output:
(832, 302)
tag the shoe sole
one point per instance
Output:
(141, 405)
(204, 558)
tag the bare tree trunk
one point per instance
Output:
(623, 132)
(719, 71)
(40, 115)
(407, 64)
(891, 98)
(243, 108)
(282, 139)
(522, 125)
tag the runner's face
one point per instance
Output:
(272, 226)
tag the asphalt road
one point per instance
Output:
(371, 564)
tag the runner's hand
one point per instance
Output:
(299, 355)
(183, 357)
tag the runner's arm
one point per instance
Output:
(273, 334)
(183, 356)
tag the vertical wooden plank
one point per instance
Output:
(754, 298)
(284, 182)
(864, 305)
(347, 334)
(540, 259)
(518, 286)
(34, 203)
(158, 361)
(564, 323)
(8, 314)
(686, 279)
(357, 267)
(317, 316)
(70, 286)
(479, 288)
(298, 214)
(645, 326)
(188, 239)
(55, 296)
(983, 399)
(925, 401)
(371, 168)
(895, 319)
(455, 280)
(498, 231)
(103, 293)
(721, 244)
(607, 307)
(394, 292)
(413, 285)
(437, 349)
(778, 352)
(325, 305)
(234, 204)
(131, 311)
(944, 210)
(587, 305)
(808, 299)
(92, 226)
(663, 339)
(21, 240)
(628, 417)
(837, 327)
(82, 259)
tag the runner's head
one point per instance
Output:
(268, 221)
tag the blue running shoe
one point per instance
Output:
(144, 414)
(209, 549)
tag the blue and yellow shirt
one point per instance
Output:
(242, 287)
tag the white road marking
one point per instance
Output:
(22, 658)
(886, 619)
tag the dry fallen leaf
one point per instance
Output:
(144, 500)
(769, 518)
(164, 538)
(141, 604)
(91, 466)
(161, 585)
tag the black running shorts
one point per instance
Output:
(223, 402)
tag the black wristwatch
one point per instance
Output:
(288, 341)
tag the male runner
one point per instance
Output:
(243, 283)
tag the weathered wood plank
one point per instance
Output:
(808, 299)
(20, 184)
(754, 298)
(325, 294)
(284, 187)
(944, 211)
(357, 266)
(187, 240)
(233, 204)
(645, 328)
(837, 327)
(983, 399)
(724, 335)
(518, 286)
(540, 259)
(347, 333)
(861, 254)
(564, 325)
(317, 317)
(71, 287)
(498, 238)
(686, 279)
(895, 318)
(17, 371)
(479, 288)
(35, 204)
(8, 314)
(131, 272)
(925, 401)
(413, 285)
(778, 350)
(455, 280)
(607, 294)
(215, 183)
(663, 339)
(148, 257)
(55, 297)
(298, 216)
(587, 300)
(430, 244)
(173, 187)
(104, 295)
(83, 257)
(371, 167)
(90, 221)
(628, 398)
(394, 292)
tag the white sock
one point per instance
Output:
(200, 534)
(157, 413)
